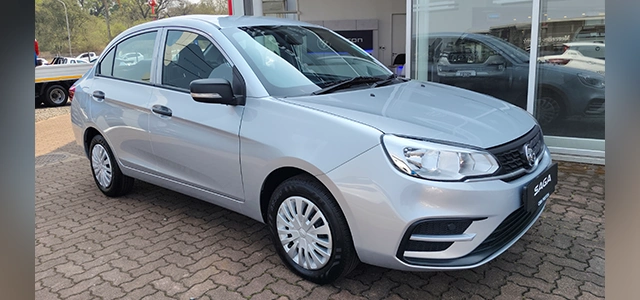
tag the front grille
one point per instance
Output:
(511, 155)
(508, 230)
(513, 225)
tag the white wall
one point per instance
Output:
(334, 10)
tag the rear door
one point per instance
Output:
(121, 94)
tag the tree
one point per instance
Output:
(51, 24)
(88, 20)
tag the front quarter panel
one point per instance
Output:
(276, 134)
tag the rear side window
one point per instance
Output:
(131, 58)
(106, 65)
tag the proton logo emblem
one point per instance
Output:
(530, 155)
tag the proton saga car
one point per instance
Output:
(293, 125)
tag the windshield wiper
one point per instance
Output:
(389, 80)
(346, 84)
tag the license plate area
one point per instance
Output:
(538, 190)
(466, 73)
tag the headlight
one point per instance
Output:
(590, 80)
(437, 161)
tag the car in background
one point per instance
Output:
(61, 60)
(575, 59)
(295, 126)
(131, 58)
(492, 66)
(587, 49)
(88, 56)
(41, 62)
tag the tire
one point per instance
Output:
(549, 109)
(56, 95)
(105, 170)
(328, 236)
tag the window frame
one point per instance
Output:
(114, 46)
(161, 47)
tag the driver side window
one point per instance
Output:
(466, 51)
(189, 56)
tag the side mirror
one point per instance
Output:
(495, 60)
(213, 90)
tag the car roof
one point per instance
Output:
(224, 21)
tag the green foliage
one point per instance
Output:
(88, 22)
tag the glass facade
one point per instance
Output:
(571, 41)
(487, 46)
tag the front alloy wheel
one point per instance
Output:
(304, 233)
(309, 230)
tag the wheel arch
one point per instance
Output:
(562, 97)
(89, 133)
(279, 175)
(271, 182)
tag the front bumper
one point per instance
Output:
(383, 208)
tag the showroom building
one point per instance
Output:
(485, 46)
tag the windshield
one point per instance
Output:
(296, 60)
(512, 50)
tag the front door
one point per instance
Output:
(195, 143)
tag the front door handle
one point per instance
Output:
(98, 95)
(162, 110)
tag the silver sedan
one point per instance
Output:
(295, 126)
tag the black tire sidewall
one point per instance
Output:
(342, 250)
(48, 100)
(116, 175)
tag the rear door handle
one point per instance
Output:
(162, 110)
(98, 95)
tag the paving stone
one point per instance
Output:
(284, 288)
(265, 295)
(168, 286)
(222, 293)
(158, 244)
(197, 291)
(256, 285)
(511, 291)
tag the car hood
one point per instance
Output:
(428, 110)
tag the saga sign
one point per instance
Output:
(541, 185)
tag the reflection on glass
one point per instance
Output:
(484, 46)
(572, 41)
(476, 45)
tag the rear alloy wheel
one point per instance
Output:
(56, 95)
(105, 169)
(309, 231)
(548, 109)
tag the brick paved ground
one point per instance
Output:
(157, 244)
